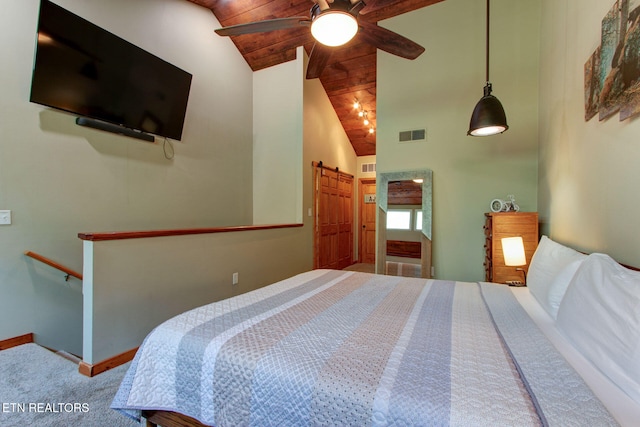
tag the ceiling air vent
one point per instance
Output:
(368, 167)
(412, 135)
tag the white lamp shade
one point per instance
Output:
(513, 250)
(334, 27)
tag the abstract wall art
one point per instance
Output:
(612, 72)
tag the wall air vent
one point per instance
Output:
(368, 167)
(412, 135)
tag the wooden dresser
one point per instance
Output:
(508, 224)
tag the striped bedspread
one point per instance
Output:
(342, 348)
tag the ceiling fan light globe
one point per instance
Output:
(334, 27)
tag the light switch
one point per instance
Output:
(5, 217)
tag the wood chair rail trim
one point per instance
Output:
(121, 235)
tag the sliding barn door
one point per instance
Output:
(333, 219)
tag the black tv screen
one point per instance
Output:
(88, 71)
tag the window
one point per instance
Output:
(418, 223)
(399, 219)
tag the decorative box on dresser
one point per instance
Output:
(508, 224)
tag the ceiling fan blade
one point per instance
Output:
(264, 26)
(389, 41)
(318, 59)
(371, 5)
(356, 7)
(323, 4)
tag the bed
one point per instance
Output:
(331, 347)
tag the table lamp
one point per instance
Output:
(513, 250)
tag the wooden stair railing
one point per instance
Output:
(54, 264)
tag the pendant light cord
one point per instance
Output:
(488, 117)
(487, 50)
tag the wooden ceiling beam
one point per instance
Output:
(270, 10)
(360, 91)
(289, 39)
(225, 9)
(389, 9)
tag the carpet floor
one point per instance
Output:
(41, 388)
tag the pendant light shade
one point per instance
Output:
(488, 116)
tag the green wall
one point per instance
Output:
(589, 174)
(59, 179)
(438, 91)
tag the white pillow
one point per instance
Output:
(551, 269)
(600, 315)
(559, 285)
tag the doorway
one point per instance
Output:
(367, 220)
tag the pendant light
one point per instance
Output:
(488, 116)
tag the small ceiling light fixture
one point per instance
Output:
(364, 115)
(488, 117)
(333, 25)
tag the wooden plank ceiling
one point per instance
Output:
(351, 71)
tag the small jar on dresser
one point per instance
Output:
(508, 224)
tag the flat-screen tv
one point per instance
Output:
(88, 71)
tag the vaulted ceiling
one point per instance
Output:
(351, 71)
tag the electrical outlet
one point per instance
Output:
(234, 279)
(5, 217)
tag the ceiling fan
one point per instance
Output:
(333, 23)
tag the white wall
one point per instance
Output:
(362, 160)
(324, 140)
(360, 175)
(277, 143)
(438, 91)
(59, 179)
(324, 136)
(132, 285)
(294, 125)
(589, 173)
(124, 301)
